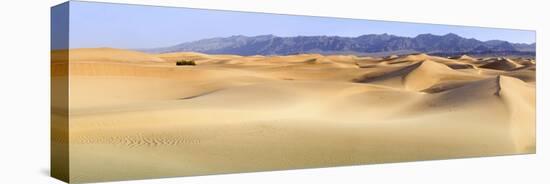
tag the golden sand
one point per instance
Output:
(135, 115)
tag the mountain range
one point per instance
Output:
(370, 44)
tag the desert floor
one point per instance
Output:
(135, 115)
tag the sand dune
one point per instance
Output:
(109, 54)
(135, 115)
(417, 76)
(465, 58)
(501, 64)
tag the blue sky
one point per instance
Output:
(132, 26)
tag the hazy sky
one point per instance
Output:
(132, 26)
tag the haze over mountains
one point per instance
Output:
(371, 44)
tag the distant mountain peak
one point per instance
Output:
(426, 35)
(451, 35)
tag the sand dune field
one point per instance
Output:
(135, 115)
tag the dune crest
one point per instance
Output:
(520, 99)
(417, 76)
(501, 64)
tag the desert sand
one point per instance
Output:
(135, 115)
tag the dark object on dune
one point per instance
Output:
(311, 61)
(185, 62)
